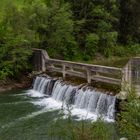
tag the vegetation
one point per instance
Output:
(129, 118)
(80, 30)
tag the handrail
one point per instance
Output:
(88, 71)
(126, 77)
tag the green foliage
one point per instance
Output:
(16, 61)
(109, 41)
(134, 49)
(129, 21)
(129, 123)
(92, 41)
(127, 51)
(53, 27)
(67, 29)
(61, 41)
(14, 46)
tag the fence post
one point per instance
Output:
(64, 71)
(45, 57)
(88, 76)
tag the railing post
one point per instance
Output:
(64, 71)
(88, 76)
(43, 65)
(71, 68)
(45, 57)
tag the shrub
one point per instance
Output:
(92, 41)
(134, 49)
(108, 41)
(129, 123)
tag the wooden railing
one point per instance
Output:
(90, 72)
(126, 77)
(111, 75)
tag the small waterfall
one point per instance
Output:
(101, 108)
(36, 83)
(43, 85)
(95, 102)
(92, 101)
(63, 92)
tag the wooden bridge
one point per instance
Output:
(125, 77)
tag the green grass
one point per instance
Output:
(111, 61)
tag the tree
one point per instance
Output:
(53, 26)
(14, 46)
(129, 21)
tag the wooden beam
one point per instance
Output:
(76, 73)
(106, 79)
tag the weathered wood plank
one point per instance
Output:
(107, 70)
(76, 73)
(54, 69)
(106, 79)
(97, 68)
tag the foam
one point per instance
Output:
(80, 114)
(33, 93)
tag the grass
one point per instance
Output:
(111, 61)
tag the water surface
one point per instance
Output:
(20, 119)
(29, 115)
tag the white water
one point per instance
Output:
(84, 104)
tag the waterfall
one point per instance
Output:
(43, 85)
(63, 92)
(87, 99)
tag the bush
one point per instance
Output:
(127, 51)
(129, 123)
(92, 41)
(108, 41)
(15, 63)
(134, 49)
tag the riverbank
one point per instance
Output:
(12, 84)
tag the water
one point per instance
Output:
(21, 119)
(85, 103)
(28, 115)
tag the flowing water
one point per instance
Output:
(28, 115)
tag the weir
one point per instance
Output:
(79, 97)
(126, 77)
